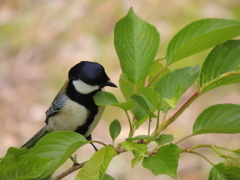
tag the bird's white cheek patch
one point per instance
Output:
(84, 88)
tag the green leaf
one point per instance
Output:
(165, 161)
(164, 138)
(199, 36)
(22, 167)
(152, 96)
(155, 69)
(220, 118)
(115, 129)
(140, 114)
(141, 101)
(59, 146)
(221, 172)
(108, 177)
(16, 151)
(103, 98)
(174, 84)
(138, 150)
(221, 67)
(128, 88)
(136, 43)
(96, 167)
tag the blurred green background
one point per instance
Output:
(40, 40)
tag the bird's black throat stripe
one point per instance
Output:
(85, 100)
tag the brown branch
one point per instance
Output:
(70, 170)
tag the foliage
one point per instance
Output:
(150, 90)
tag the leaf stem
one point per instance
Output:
(208, 84)
(184, 138)
(215, 149)
(130, 125)
(155, 77)
(158, 119)
(197, 153)
(181, 109)
(149, 126)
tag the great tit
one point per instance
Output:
(73, 109)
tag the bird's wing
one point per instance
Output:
(58, 102)
(31, 142)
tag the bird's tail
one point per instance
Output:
(31, 142)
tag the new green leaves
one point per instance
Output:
(165, 161)
(221, 67)
(199, 36)
(136, 43)
(96, 167)
(221, 118)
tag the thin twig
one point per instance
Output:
(184, 138)
(199, 154)
(70, 170)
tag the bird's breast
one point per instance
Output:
(70, 116)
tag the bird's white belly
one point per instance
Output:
(68, 118)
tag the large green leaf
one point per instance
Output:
(59, 146)
(221, 172)
(16, 151)
(165, 161)
(136, 43)
(199, 36)
(172, 86)
(220, 118)
(221, 67)
(22, 167)
(96, 167)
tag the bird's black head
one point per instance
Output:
(90, 73)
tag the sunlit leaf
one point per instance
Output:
(96, 167)
(59, 146)
(199, 36)
(136, 43)
(220, 118)
(221, 66)
(164, 162)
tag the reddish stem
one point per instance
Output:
(180, 111)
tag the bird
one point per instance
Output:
(73, 108)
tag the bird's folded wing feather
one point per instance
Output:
(58, 102)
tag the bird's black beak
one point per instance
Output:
(110, 83)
